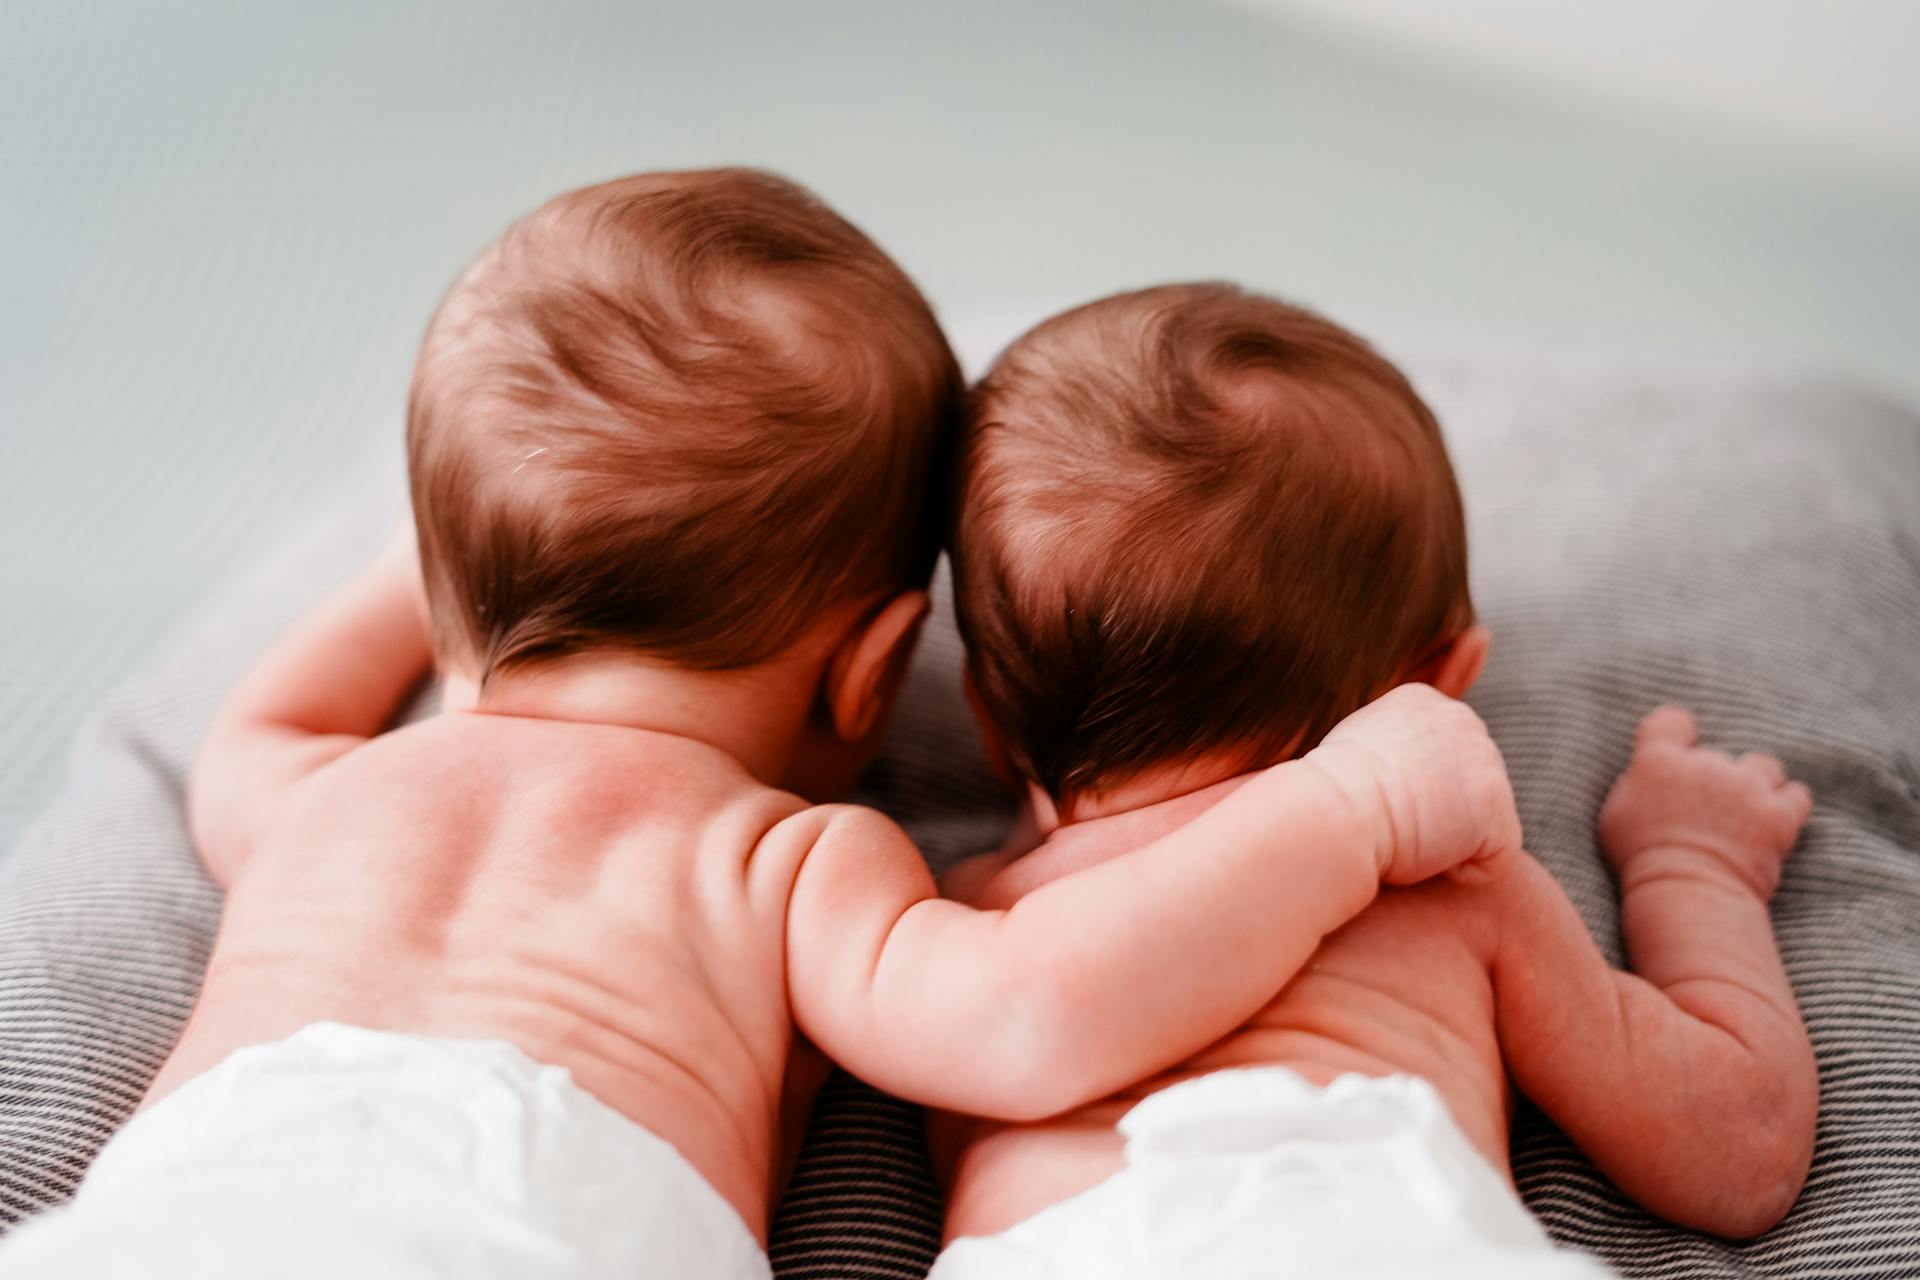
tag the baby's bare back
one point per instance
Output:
(607, 899)
(1403, 988)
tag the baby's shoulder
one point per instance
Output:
(556, 775)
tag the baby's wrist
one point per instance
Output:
(1700, 862)
(1359, 807)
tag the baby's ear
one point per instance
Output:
(866, 671)
(1454, 669)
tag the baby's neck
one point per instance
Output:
(754, 714)
(1148, 790)
(1120, 821)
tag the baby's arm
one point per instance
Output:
(1105, 975)
(1690, 1082)
(327, 684)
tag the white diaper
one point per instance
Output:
(342, 1152)
(1256, 1172)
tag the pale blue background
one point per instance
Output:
(222, 226)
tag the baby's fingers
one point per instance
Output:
(1766, 766)
(1667, 726)
(1798, 798)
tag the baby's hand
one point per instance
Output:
(1680, 806)
(1424, 765)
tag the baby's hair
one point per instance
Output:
(679, 414)
(1194, 521)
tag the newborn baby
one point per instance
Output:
(515, 991)
(1196, 527)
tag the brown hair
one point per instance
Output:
(677, 413)
(1194, 520)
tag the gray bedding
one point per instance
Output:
(1743, 543)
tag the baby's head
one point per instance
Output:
(681, 416)
(1196, 528)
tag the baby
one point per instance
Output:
(1195, 528)
(516, 990)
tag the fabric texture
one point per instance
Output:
(1742, 543)
(342, 1151)
(1365, 1177)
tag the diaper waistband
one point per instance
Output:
(1248, 1109)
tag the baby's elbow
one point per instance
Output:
(1781, 1156)
(1762, 1169)
(1044, 1061)
(1023, 1099)
(1747, 1153)
(222, 820)
(1779, 1149)
(213, 826)
(1747, 1206)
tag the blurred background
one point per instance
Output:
(223, 225)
